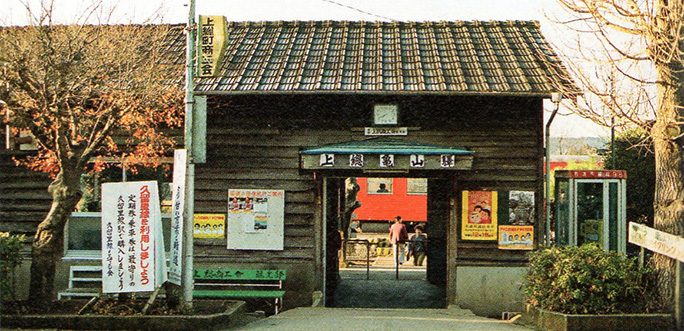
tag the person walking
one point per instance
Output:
(398, 236)
(416, 246)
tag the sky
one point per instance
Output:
(13, 12)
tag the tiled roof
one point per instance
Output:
(340, 56)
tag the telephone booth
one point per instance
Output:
(591, 207)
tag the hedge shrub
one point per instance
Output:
(10, 258)
(588, 280)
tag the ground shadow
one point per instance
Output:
(382, 290)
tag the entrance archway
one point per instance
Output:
(350, 282)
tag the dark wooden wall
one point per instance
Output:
(24, 199)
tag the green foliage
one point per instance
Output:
(10, 258)
(634, 153)
(588, 280)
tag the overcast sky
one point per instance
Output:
(13, 12)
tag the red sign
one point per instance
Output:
(602, 174)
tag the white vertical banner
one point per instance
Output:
(178, 205)
(133, 255)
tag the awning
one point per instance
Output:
(386, 154)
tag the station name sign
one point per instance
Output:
(375, 131)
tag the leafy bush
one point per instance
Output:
(10, 258)
(587, 280)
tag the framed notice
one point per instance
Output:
(256, 219)
(479, 215)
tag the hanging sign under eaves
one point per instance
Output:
(211, 44)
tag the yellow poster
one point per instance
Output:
(478, 219)
(209, 226)
(516, 237)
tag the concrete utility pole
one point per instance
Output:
(188, 212)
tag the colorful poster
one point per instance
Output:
(479, 215)
(133, 255)
(256, 219)
(521, 207)
(209, 226)
(519, 237)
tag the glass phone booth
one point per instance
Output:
(590, 208)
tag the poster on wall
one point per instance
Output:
(521, 207)
(133, 254)
(256, 219)
(479, 215)
(209, 226)
(516, 237)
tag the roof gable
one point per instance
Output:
(509, 57)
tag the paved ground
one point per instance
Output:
(382, 303)
(384, 290)
(358, 319)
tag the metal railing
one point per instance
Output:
(355, 255)
(364, 241)
(396, 256)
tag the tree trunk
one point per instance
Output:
(668, 209)
(668, 201)
(350, 205)
(48, 242)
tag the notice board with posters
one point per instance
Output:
(256, 219)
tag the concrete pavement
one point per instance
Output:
(367, 319)
(381, 303)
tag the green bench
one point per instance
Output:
(236, 284)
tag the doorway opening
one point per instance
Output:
(361, 267)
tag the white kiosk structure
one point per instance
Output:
(591, 208)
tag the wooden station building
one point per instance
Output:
(298, 107)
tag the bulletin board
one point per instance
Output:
(255, 219)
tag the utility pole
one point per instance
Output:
(188, 212)
(555, 99)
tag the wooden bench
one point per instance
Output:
(84, 281)
(235, 284)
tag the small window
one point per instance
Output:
(380, 186)
(83, 235)
(416, 186)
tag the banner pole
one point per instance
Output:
(188, 213)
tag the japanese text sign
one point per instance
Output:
(133, 257)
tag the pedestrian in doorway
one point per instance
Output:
(398, 236)
(416, 246)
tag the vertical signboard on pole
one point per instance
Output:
(133, 255)
(178, 203)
